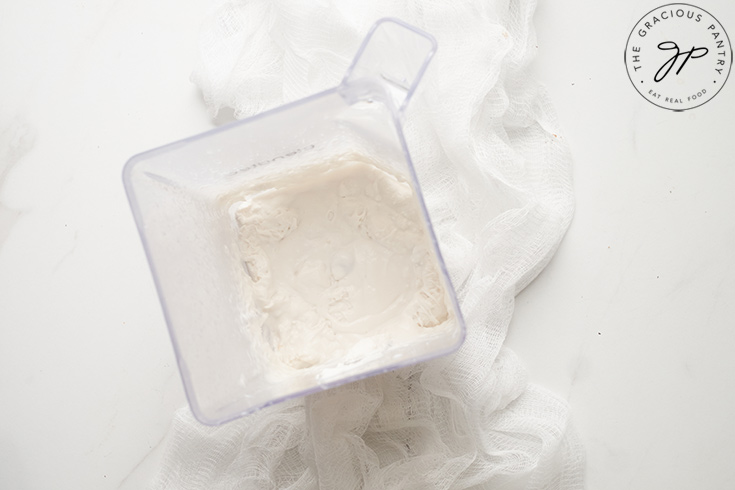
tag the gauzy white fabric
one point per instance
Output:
(496, 178)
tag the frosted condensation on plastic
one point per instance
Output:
(496, 179)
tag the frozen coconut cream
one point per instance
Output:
(337, 263)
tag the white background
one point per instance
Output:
(633, 321)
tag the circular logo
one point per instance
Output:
(678, 56)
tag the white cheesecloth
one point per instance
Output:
(497, 182)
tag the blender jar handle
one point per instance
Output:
(396, 55)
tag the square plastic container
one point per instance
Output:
(175, 195)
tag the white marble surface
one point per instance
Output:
(633, 320)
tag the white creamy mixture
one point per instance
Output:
(338, 263)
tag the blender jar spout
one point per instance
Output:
(389, 64)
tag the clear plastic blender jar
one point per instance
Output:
(175, 195)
